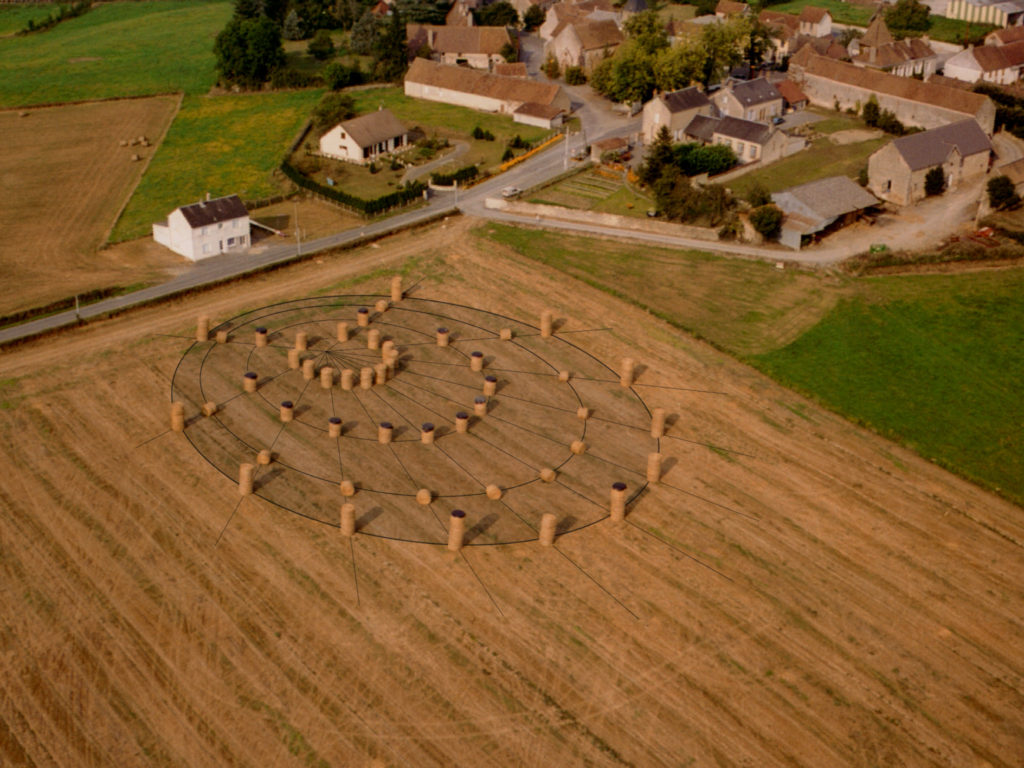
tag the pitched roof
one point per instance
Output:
(458, 39)
(634, 6)
(993, 58)
(908, 88)
(207, 212)
(479, 83)
(533, 109)
(683, 99)
(812, 15)
(1014, 171)
(1004, 36)
(877, 33)
(515, 69)
(891, 54)
(817, 204)
(373, 127)
(730, 8)
(780, 22)
(752, 92)
(931, 148)
(744, 130)
(791, 92)
(702, 127)
(595, 35)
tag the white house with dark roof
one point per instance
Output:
(673, 110)
(206, 228)
(479, 90)
(819, 207)
(815, 22)
(756, 100)
(477, 47)
(365, 138)
(584, 43)
(750, 141)
(896, 172)
(999, 64)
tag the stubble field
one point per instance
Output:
(795, 592)
(66, 177)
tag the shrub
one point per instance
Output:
(767, 220)
(332, 109)
(758, 196)
(934, 181)
(337, 75)
(508, 155)
(321, 47)
(551, 68)
(292, 78)
(480, 133)
(463, 174)
(402, 196)
(1002, 195)
(575, 76)
(373, 167)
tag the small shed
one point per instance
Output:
(541, 115)
(617, 145)
(820, 207)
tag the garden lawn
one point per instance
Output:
(842, 12)
(115, 49)
(13, 18)
(450, 122)
(954, 30)
(820, 160)
(225, 145)
(932, 361)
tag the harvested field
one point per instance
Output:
(796, 591)
(65, 179)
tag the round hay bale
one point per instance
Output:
(653, 467)
(287, 411)
(384, 432)
(348, 519)
(264, 457)
(490, 385)
(373, 339)
(222, 337)
(626, 372)
(362, 317)
(300, 341)
(583, 412)
(203, 328)
(456, 530)
(505, 334)
(294, 361)
(462, 422)
(347, 379)
(476, 361)
(260, 337)
(548, 475)
(347, 488)
(342, 331)
(424, 497)
(396, 288)
(334, 427)
(427, 433)
(442, 337)
(547, 320)
(658, 423)
(326, 377)
(177, 417)
(308, 369)
(548, 527)
(250, 380)
(480, 405)
(578, 447)
(493, 492)
(366, 377)
(209, 409)
(617, 502)
(245, 479)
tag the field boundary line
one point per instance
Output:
(78, 102)
(145, 169)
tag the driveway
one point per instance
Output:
(418, 171)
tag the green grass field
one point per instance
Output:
(932, 361)
(13, 18)
(222, 145)
(116, 49)
(842, 13)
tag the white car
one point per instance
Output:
(511, 192)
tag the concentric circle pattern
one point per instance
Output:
(523, 417)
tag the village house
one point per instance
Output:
(820, 207)
(1001, 13)
(460, 14)
(584, 43)
(815, 22)
(206, 228)
(756, 100)
(878, 49)
(793, 99)
(1005, 36)
(1000, 64)
(674, 110)
(514, 69)
(784, 28)
(477, 47)
(726, 9)
(565, 12)
(365, 138)
(480, 90)
(750, 141)
(897, 171)
(918, 104)
(540, 115)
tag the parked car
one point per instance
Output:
(508, 192)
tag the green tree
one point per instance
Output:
(392, 57)
(338, 75)
(365, 32)
(658, 159)
(871, 113)
(423, 11)
(679, 66)
(533, 17)
(509, 53)
(331, 110)
(934, 181)
(1002, 195)
(767, 220)
(575, 76)
(724, 47)
(626, 76)
(321, 47)
(758, 195)
(907, 16)
(248, 51)
(500, 14)
(293, 29)
(551, 68)
(647, 30)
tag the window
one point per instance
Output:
(231, 241)
(739, 149)
(753, 151)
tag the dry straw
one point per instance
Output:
(653, 467)
(396, 288)
(617, 502)
(326, 377)
(366, 377)
(384, 432)
(264, 457)
(178, 417)
(245, 475)
(334, 427)
(427, 434)
(287, 411)
(627, 372)
(260, 337)
(300, 341)
(222, 337)
(456, 530)
(442, 337)
(424, 497)
(203, 328)
(548, 526)
(347, 378)
(348, 519)
(209, 409)
(546, 323)
(362, 317)
(658, 423)
(249, 381)
(348, 488)
(342, 331)
(293, 359)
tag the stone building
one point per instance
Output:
(674, 110)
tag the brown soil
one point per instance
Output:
(65, 178)
(797, 592)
